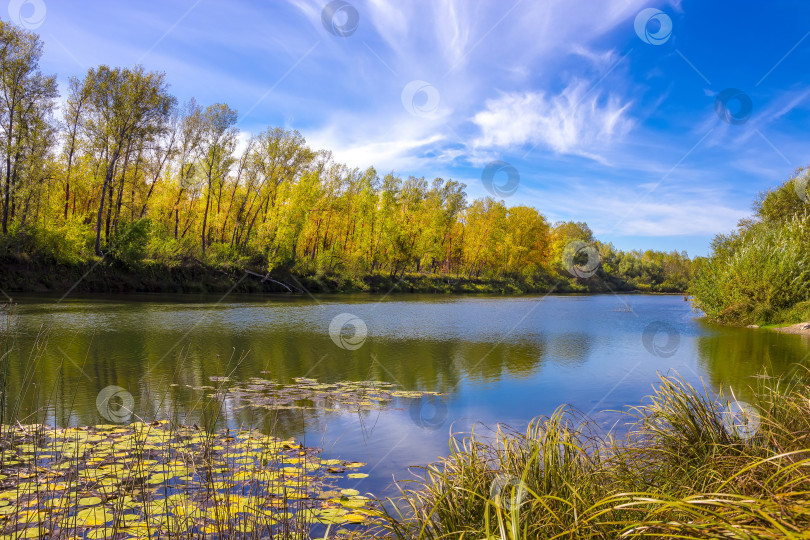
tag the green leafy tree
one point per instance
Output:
(761, 272)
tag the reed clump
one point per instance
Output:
(690, 466)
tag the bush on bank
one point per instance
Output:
(760, 273)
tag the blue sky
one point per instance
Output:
(603, 123)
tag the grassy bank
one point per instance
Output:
(25, 274)
(691, 467)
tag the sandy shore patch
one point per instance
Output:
(801, 328)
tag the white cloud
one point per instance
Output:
(571, 122)
(387, 147)
(599, 59)
(684, 218)
(762, 116)
(681, 207)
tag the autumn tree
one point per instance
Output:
(72, 117)
(166, 183)
(527, 242)
(26, 102)
(218, 142)
(125, 107)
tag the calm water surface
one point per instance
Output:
(494, 360)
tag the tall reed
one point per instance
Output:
(691, 466)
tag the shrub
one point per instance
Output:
(761, 272)
(129, 244)
(66, 243)
(757, 275)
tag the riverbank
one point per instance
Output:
(802, 328)
(28, 275)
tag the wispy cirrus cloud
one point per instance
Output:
(682, 207)
(482, 58)
(571, 122)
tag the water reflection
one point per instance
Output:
(67, 368)
(571, 348)
(733, 358)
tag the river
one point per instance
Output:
(491, 359)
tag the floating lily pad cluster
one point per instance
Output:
(157, 481)
(311, 394)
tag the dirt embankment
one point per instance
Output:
(801, 328)
(23, 274)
